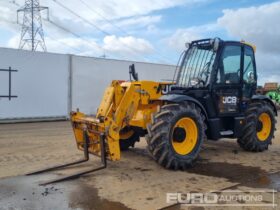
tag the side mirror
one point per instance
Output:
(187, 45)
(251, 77)
(132, 72)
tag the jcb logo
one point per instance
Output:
(230, 100)
(165, 89)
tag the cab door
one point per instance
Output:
(227, 88)
(249, 74)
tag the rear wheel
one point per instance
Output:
(175, 136)
(128, 137)
(259, 127)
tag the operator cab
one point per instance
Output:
(213, 61)
(221, 76)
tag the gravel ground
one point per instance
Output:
(134, 182)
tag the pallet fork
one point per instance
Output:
(85, 159)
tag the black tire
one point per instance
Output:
(250, 141)
(160, 135)
(129, 142)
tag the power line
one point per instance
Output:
(95, 26)
(75, 34)
(85, 20)
(52, 38)
(16, 23)
(104, 18)
(65, 30)
(27, 58)
(98, 28)
(93, 44)
(14, 2)
(63, 43)
(116, 26)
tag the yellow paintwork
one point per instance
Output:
(126, 135)
(264, 133)
(143, 114)
(187, 145)
(123, 104)
(251, 45)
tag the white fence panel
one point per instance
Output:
(41, 84)
(50, 85)
(90, 77)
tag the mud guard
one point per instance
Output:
(180, 98)
(267, 99)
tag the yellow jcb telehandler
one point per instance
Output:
(213, 95)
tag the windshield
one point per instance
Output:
(196, 65)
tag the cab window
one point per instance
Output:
(229, 66)
(249, 70)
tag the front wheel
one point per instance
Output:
(128, 137)
(176, 134)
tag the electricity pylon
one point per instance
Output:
(32, 34)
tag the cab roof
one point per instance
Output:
(209, 40)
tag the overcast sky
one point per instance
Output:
(152, 30)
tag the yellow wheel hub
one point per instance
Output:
(265, 130)
(184, 136)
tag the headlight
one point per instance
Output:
(187, 45)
